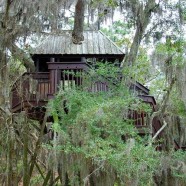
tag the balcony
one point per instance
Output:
(31, 90)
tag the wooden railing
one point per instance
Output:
(139, 119)
(36, 87)
(99, 87)
(31, 87)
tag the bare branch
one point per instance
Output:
(163, 106)
(160, 130)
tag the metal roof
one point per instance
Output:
(95, 42)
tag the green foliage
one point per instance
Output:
(97, 127)
(173, 47)
(140, 164)
(179, 164)
(177, 106)
(170, 60)
(107, 3)
(179, 156)
(140, 71)
(118, 32)
(104, 70)
(36, 180)
(16, 68)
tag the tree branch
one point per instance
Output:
(37, 147)
(23, 57)
(159, 131)
(162, 108)
(142, 21)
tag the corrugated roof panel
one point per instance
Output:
(79, 49)
(84, 45)
(62, 45)
(73, 49)
(90, 43)
(107, 45)
(67, 46)
(55, 46)
(101, 44)
(114, 48)
(95, 42)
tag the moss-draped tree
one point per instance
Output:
(21, 18)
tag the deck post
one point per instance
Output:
(83, 59)
(52, 59)
(52, 78)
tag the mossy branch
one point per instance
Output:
(23, 57)
(161, 111)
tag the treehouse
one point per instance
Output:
(57, 55)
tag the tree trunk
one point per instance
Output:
(77, 34)
(142, 21)
(25, 150)
(37, 147)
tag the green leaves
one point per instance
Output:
(97, 128)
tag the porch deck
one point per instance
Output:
(33, 90)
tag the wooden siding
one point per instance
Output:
(30, 90)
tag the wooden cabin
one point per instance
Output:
(56, 55)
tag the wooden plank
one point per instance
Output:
(52, 81)
(66, 66)
(40, 75)
(56, 81)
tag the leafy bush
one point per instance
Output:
(97, 128)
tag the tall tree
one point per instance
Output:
(142, 12)
(20, 19)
